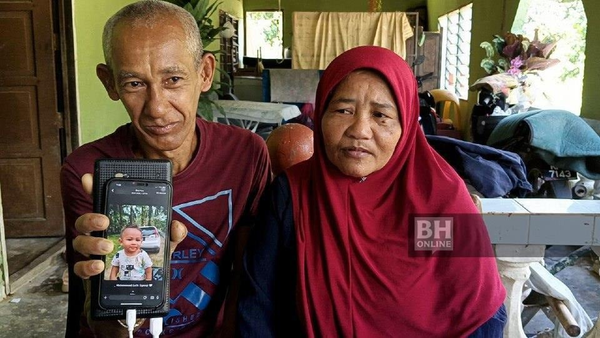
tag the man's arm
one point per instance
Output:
(80, 223)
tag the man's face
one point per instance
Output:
(158, 81)
(131, 240)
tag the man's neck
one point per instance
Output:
(180, 157)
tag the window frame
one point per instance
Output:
(246, 28)
(462, 52)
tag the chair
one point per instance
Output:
(448, 101)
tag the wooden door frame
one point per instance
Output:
(65, 75)
(3, 253)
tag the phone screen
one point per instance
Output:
(140, 216)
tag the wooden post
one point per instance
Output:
(564, 316)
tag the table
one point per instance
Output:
(252, 113)
(520, 229)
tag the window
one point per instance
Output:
(456, 45)
(561, 86)
(264, 34)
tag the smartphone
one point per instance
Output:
(140, 216)
(136, 196)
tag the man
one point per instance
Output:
(156, 68)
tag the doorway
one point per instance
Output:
(35, 134)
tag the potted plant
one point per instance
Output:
(510, 60)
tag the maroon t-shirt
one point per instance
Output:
(218, 191)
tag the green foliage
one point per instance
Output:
(271, 33)
(499, 43)
(116, 245)
(503, 65)
(489, 50)
(488, 65)
(565, 23)
(202, 10)
(140, 215)
(517, 54)
(205, 107)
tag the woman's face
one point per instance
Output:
(361, 124)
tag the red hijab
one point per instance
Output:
(357, 274)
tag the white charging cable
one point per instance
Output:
(156, 326)
(130, 320)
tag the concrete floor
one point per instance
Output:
(22, 251)
(42, 309)
(583, 282)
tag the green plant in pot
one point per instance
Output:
(202, 10)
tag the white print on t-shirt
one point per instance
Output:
(132, 267)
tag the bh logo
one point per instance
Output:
(433, 233)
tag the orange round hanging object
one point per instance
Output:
(289, 144)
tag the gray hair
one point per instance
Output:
(146, 13)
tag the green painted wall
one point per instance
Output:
(290, 6)
(98, 115)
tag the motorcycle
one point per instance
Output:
(547, 180)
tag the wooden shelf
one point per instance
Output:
(229, 58)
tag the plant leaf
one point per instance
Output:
(488, 65)
(524, 47)
(512, 51)
(205, 109)
(499, 43)
(202, 8)
(538, 63)
(548, 49)
(219, 108)
(489, 49)
(212, 8)
(188, 7)
(503, 65)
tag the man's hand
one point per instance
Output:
(88, 245)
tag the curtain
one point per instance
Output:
(318, 37)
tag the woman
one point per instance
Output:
(334, 253)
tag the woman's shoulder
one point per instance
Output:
(280, 196)
(279, 208)
(281, 185)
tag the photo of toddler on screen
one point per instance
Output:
(131, 262)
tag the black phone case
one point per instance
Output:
(104, 170)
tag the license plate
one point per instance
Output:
(557, 174)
